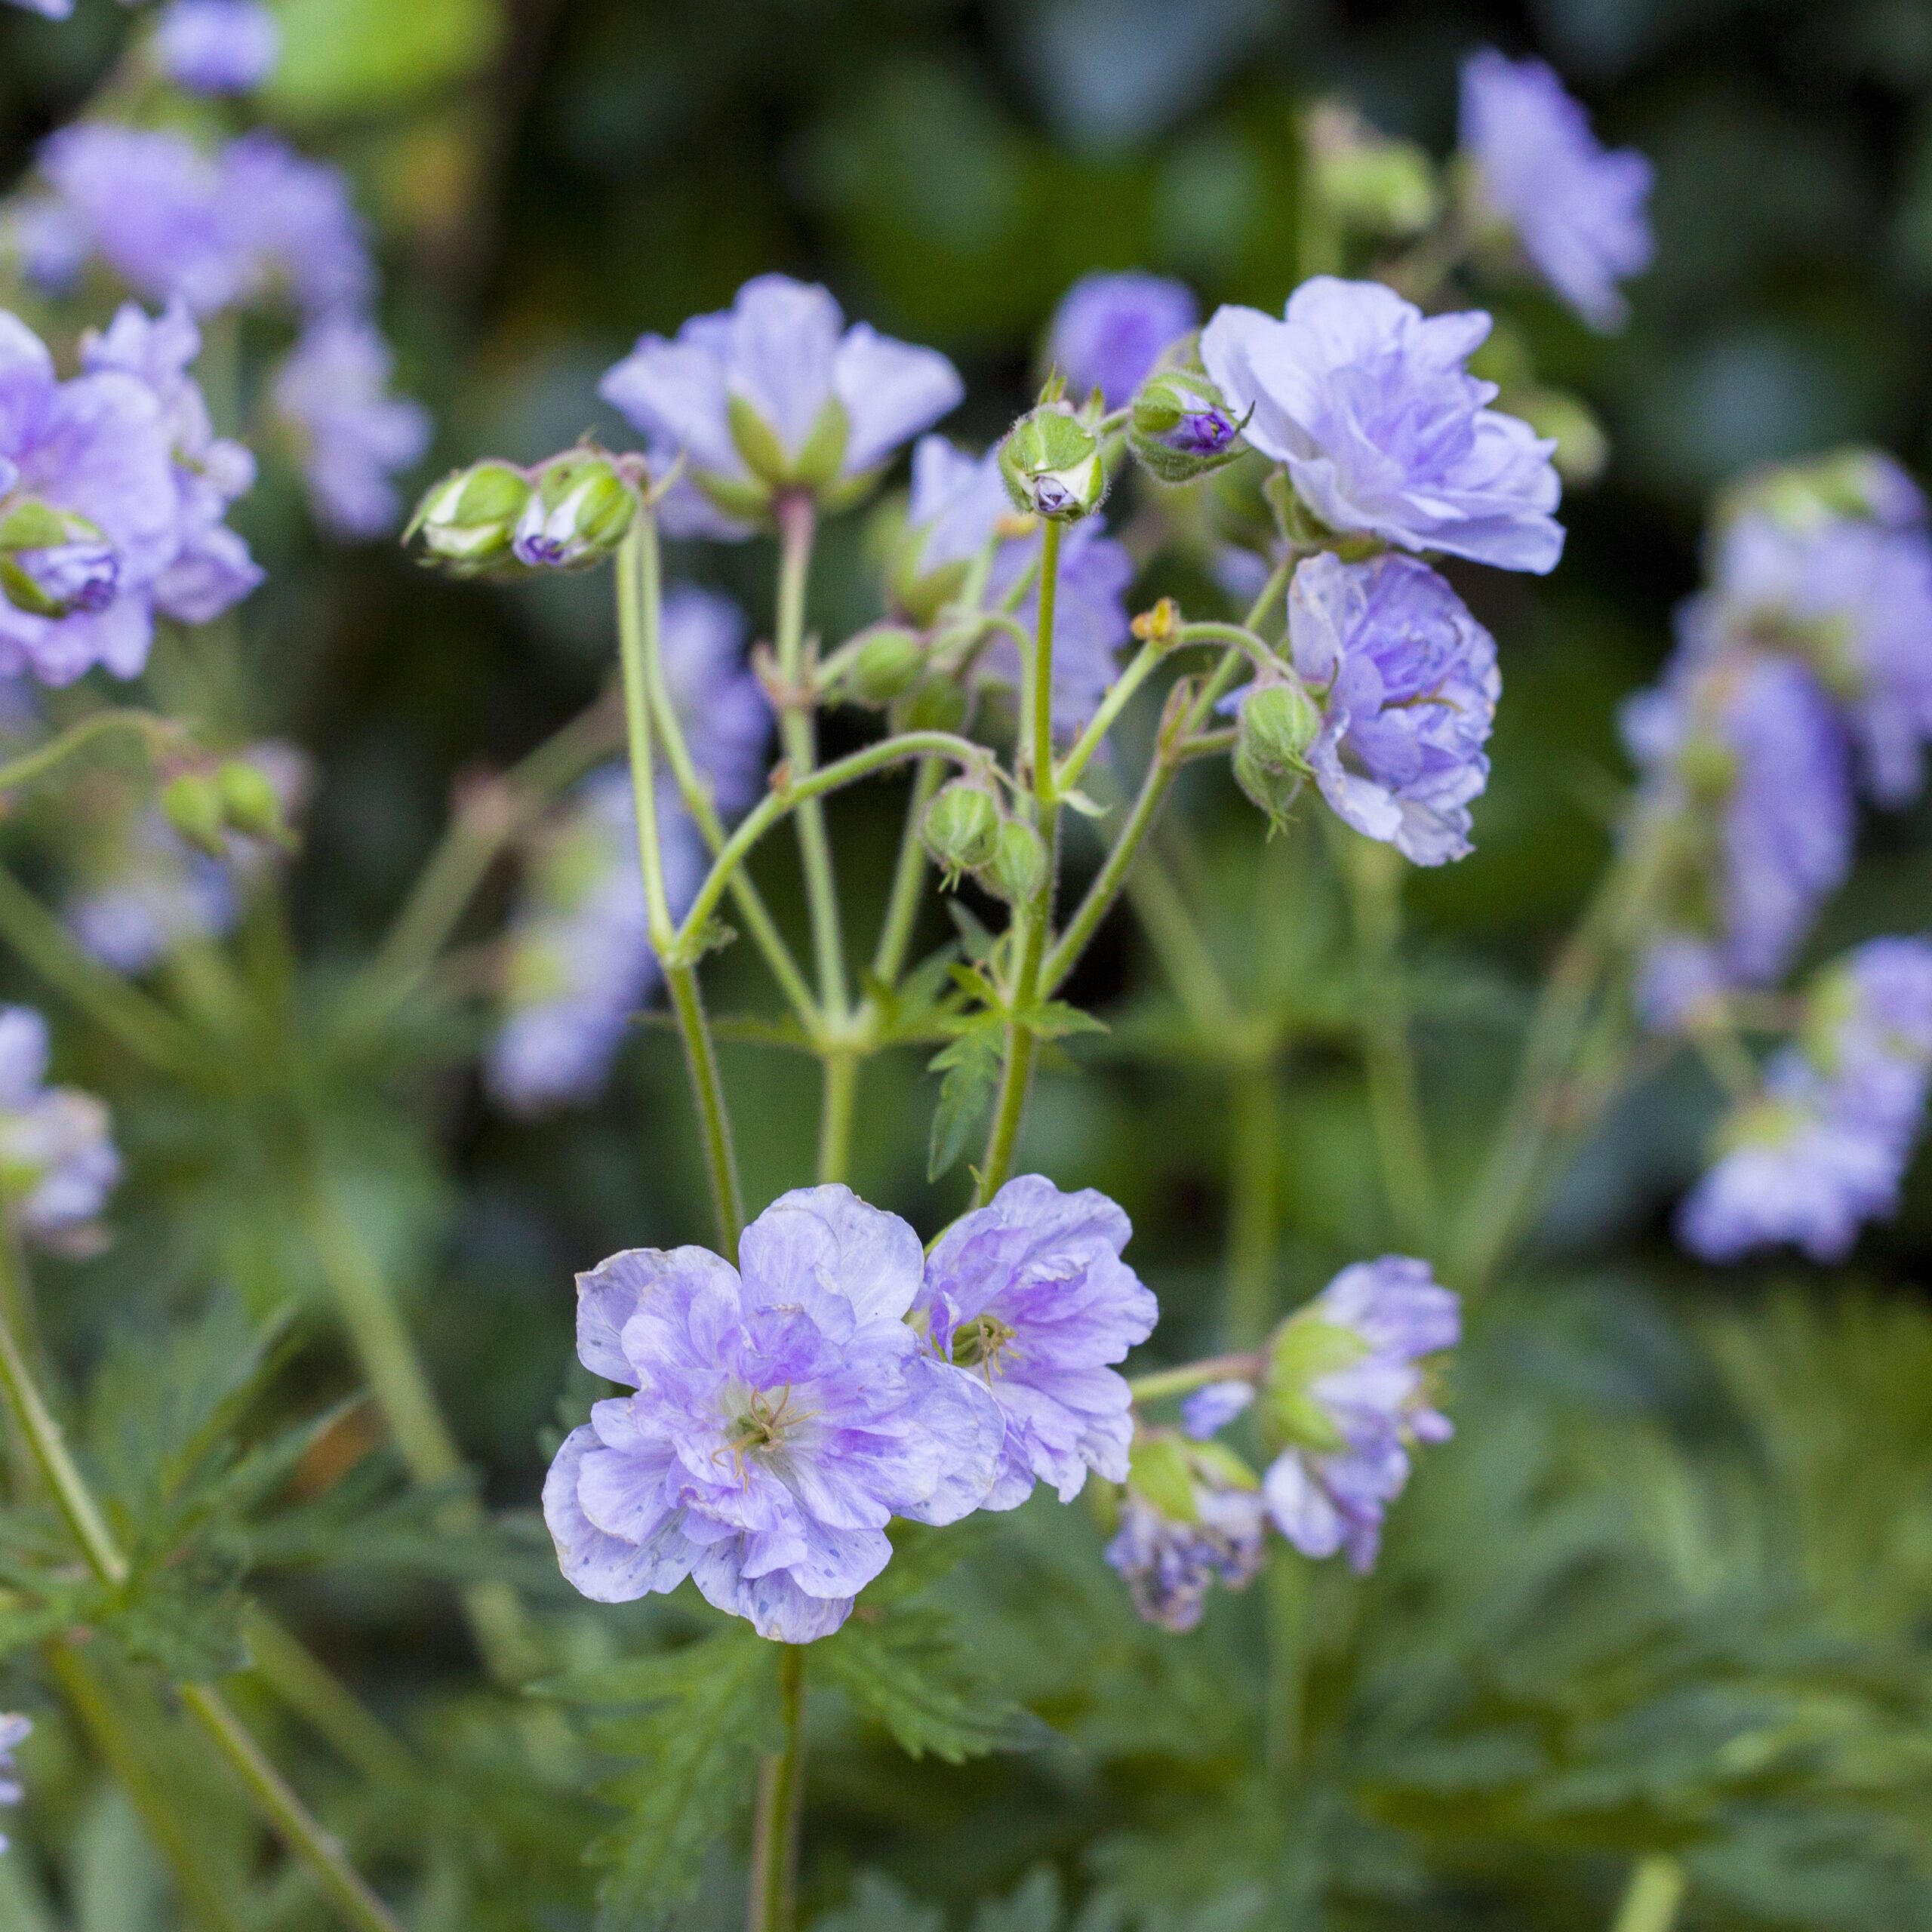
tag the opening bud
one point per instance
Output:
(54, 563)
(1277, 724)
(961, 829)
(1050, 464)
(577, 514)
(468, 520)
(888, 663)
(1181, 427)
(191, 803)
(1018, 867)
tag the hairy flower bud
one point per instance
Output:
(1181, 427)
(54, 563)
(961, 828)
(1050, 464)
(889, 662)
(1018, 866)
(468, 520)
(1278, 722)
(577, 514)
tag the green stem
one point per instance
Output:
(154, 730)
(299, 1829)
(288, 1668)
(721, 1159)
(1036, 920)
(1172, 931)
(146, 1029)
(1090, 740)
(798, 732)
(775, 1834)
(836, 1115)
(1163, 1383)
(1254, 1205)
(1654, 1895)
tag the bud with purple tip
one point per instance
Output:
(1050, 464)
(54, 563)
(1181, 427)
(578, 514)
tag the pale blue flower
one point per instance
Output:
(217, 46)
(1109, 330)
(57, 1162)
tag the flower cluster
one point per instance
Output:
(785, 1411)
(57, 1161)
(113, 491)
(1821, 1149)
(578, 962)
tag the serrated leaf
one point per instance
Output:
(904, 1672)
(971, 981)
(970, 1064)
(974, 936)
(1054, 1020)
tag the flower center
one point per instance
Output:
(979, 1343)
(762, 1427)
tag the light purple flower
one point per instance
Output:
(333, 391)
(1577, 208)
(721, 706)
(1384, 432)
(1209, 1410)
(217, 46)
(48, 10)
(1171, 1563)
(785, 1413)
(296, 222)
(1407, 684)
(840, 401)
(1746, 771)
(1030, 1293)
(1109, 330)
(14, 1731)
(1822, 1149)
(958, 511)
(57, 1160)
(96, 448)
(1347, 1389)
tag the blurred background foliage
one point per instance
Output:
(1671, 1588)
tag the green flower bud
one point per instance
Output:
(192, 804)
(1277, 723)
(960, 829)
(889, 660)
(250, 802)
(1050, 462)
(1018, 866)
(578, 514)
(1181, 427)
(1366, 181)
(939, 704)
(467, 521)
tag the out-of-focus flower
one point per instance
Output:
(57, 1160)
(785, 1413)
(1110, 330)
(1578, 209)
(1030, 1294)
(333, 391)
(1747, 775)
(1822, 1149)
(1191, 1516)
(1383, 431)
(14, 1731)
(1209, 1410)
(1345, 1396)
(774, 393)
(217, 46)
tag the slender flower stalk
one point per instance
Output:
(1655, 1895)
(774, 1887)
(155, 733)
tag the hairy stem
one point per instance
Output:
(721, 1159)
(835, 1117)
(781, 1789)
(1242, 1366)
(1653, 1897)
(154, 731)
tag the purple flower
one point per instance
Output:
(1383, 431)
(1030, 1293)
(96, 449)
(1346, 1394)
(217, 46)
(171, 221)
(1822, 1149)
(1109, 330)
(212, 570)
(332, 391)
(57, 1161)
(1747, 775)
(957, 515)
(785, 1413)
(1578, 209)
(1407, 684)
(14, 1731)
(48, 10)
(1172, 1549)
(1209, 1410)
(774, 392)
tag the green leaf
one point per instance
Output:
(343, 57)
(904, 1672)
(1054, 1020)
(970, 1064)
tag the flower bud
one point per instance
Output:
(939, 704)
(961, 829)
(1278, 722)
(250, 801)
(1365, 180)
(1050, 464)
(577, 514)
(468, 520)
(192, 804)
(1018, 866)
(889, 660)
(1181, 427)
(54, 563)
